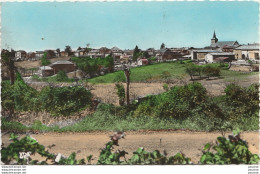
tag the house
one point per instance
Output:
(250, 51)
(104, 51)
(39, 54)
(30, 55)
(129, 52)
(80, 52)
(151, 52)
(123, 59)
(166, 55)
(116, 53)
(20, 55)
(50, 53)
(64, 54)
(218, 57)
(94, 53)
(199, 55)
(225, 46)
(46, 71)
(142, 61)
(65, 66)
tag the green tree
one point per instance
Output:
(7, 59)
(68, 49)
(44, 60)
(120, 93)
(211, 71)
(162, 46)
(137, 53)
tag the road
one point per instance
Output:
(190, 143)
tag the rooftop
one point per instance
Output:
(222, 54)
(61, 62)
(45, 68)
(249, 47)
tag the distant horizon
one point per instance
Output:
(39, 26)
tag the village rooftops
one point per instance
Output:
(61, 62)
(249, 47)
(45, 68)
(221, 44)
(207, 51)
(221, 54)
(115, 49)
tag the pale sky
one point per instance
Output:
(126, 24)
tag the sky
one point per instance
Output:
(33, 26)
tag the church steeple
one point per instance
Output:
(214, 38)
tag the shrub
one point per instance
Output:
(7, 96)
(193, 70)
(229, 151)
(61, 77)
(211, 71)
(12, 153)
(120, 93)
(65, 100)
(243, 100)
(26, 144)
(177, 102)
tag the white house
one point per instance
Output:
(212, 57)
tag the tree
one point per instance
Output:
(44, 62)
(79, 48)
(211, 71)
(162, 46)
(137, 53)
(7, 59)
(146, 55)
(68, 49)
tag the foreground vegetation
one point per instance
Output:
(181, 107)
(55, 100)
(227, 151)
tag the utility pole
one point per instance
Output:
(127, 75)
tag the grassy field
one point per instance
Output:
(154, 73)
(144, 73)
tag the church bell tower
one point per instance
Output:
(214, 38)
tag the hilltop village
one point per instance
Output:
(217, 51)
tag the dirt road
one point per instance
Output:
(190, 143)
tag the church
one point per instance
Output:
(225, 46)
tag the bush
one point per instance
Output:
(65, 100)
(211, 71)
(57, 101)
(193, 70)
(7, 97)
(120, 93)
(229, 151)
(177, 102)
(243, 100)
(61, 77)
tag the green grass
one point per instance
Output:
(104, 121)
(153, 73)
(235, 75)
(144, 73)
